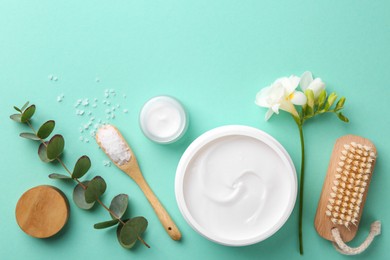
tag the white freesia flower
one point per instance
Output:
(307, 82)
(281, 95)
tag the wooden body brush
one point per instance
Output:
(344, 193)
(114, 145)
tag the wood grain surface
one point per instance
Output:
(42, 211)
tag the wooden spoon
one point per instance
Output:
(131, 168)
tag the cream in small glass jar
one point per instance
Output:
(163, 119)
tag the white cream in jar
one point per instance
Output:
(163, 119)
(236, 185)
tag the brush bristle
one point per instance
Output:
(350, 183)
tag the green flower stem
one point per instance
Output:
(82, 185)
(301, 184)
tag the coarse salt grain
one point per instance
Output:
(113, 145)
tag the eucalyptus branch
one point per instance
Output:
(86, 193)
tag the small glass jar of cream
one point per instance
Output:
(163, 119)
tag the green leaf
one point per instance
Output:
(55, 147)
(331, 99)
(342, 117)
(340, 104)
(106, 224)
(16, 117)
(46, 129)
(119, 205)
(79, 196)
(128, 235)
(59, 176)
(42, 152)
(132, 229)
(96, 187)
(30, 136)
(118, 232)
(25, 105)
(81, 167)
(17, 109)
(28, 113)
(321, 99)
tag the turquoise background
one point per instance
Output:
(214, 56)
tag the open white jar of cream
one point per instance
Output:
(163, 119)
(236, 185)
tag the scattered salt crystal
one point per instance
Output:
(113, 116)
(118, 106)
(81, 138)
(124, 96)
(106, 95)
(50, 77)
(59, 99)
(104, 101)
(97, 80)
(86, 140)
(125, 111)
(92, 118)
(55, 78)
(95, 99)
(112, 90)
(94, 105)
(108, 103)
(85, 102)
(113, 145)
(106, 163)
(89, 113)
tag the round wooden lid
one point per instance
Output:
(42, 211)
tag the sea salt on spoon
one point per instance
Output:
(114, 145)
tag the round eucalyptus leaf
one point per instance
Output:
(59, 176)
(118, 232)
(96, 187)
(79, 197)
(42, 152)
(81, 167)
(25, 105)
(46, 129)
(128, 235)
(55, 147)
(119, 205)
(16, 117)
(28, 113)
(139, 224)
(106, 224)
(30, 136)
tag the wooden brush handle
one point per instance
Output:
(161, 213)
